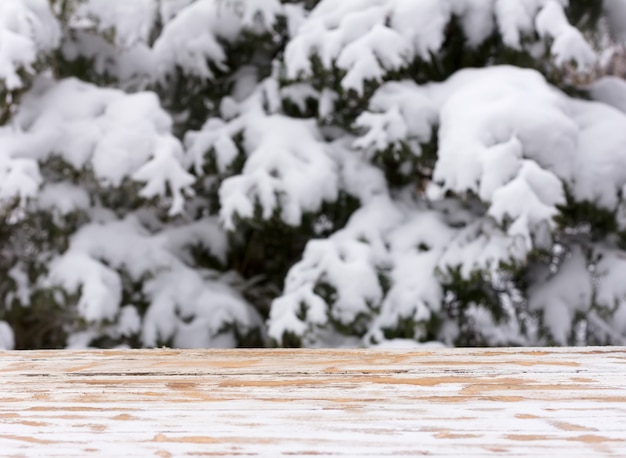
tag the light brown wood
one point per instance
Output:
(436, 402)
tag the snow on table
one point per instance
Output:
(436, 402)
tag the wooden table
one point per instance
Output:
(440, 402)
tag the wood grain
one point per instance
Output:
(439, 402)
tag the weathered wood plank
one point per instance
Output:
(459, 402)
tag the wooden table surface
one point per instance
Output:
(437, 402)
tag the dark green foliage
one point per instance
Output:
(462, 293)
(40, 325)
(83, 68)
(264, 250)
(586, 217)
(585, 14)
(403, 166)
(194, 100)
(290, 340)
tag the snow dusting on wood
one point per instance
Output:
(435, 402)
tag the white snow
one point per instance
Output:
(416, 292)
(131, 21)
(63, 197)
(615, 11)
(563, 294)
(507, 136)
(610, 90)
(100, 286)
(384, 130)
(116, 135)
(510, 151)
(600, 164)
(568, 42)
(498, 138)
(482, 247)
(610, 290)
(357, 177)
(170, 8)
(347, 262)
(28, 29)
(19, 177)
(129, 321)
(22, 286)
(191, 39)
(132, 65)
(369, 38)
(7, 338)
(288, 170)
(118, 35)
(504, 135)
(177, 293)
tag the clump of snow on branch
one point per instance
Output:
(28, 30)
(503, 135)
(288, 169)
(404, 98)
(415, 292)
(568, 43)
(188, 306)
(508, 137)
(481, 247)
(610, 90)
(113, 134)
(118, 35)
(193, 38)
(19, 177)
(561, 295)
(599, 165)
(63, 198)
(128, 22)
(610, 293)
(493, 163)
(171, 8)
(367, 39)
(347, 263)
(415, 248)
(115, 36)
(491, 143)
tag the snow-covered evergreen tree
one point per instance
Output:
(202, 173)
